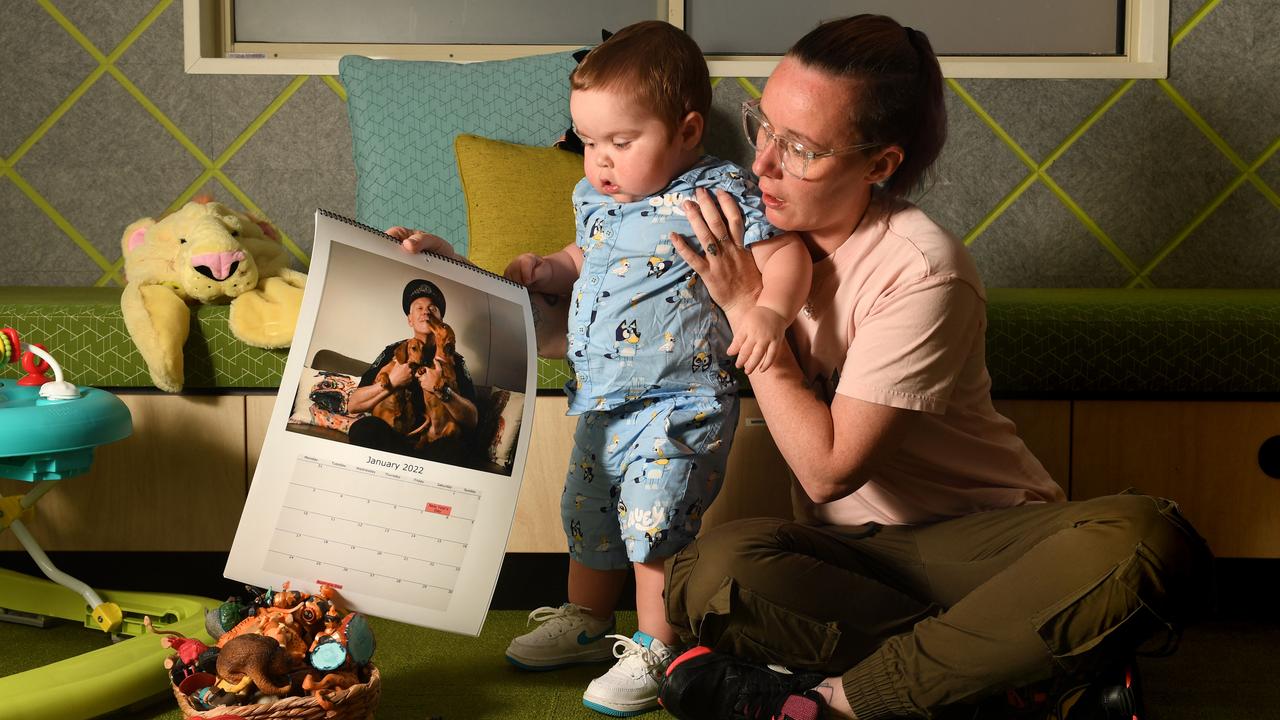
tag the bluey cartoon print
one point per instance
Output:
(597, 235)
(693, 516)
(626, 341)
(654, 470)
(658, 266)
(575, 533)
(587, 466)
(682, 293)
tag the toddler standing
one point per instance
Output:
(653, 384)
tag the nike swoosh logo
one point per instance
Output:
(585, 639)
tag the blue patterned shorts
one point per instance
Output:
(641, 476)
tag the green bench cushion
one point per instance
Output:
(1118, 342)
(1039, 342)
(85, 331)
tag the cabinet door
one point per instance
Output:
(257, 415)
(1045, 426)
(1204, 455)
(757, 482)
(176, 483)
(537, 526)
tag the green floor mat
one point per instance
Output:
(426, 673)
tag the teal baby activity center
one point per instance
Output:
(49, 429)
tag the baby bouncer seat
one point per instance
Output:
(49, 429)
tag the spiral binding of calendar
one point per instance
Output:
(455, 261)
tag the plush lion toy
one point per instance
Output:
(205, 252)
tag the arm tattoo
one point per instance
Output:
(537, 317)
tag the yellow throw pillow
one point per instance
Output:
(519, 198)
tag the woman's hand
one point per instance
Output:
(417, 241)
(727, 268)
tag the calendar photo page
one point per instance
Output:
(394, 454)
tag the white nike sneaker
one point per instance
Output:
(631, 685)
(567, 636)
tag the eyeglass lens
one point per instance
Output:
(758, 134)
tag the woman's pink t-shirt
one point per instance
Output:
(897, 316)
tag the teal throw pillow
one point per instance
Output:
(405, 115)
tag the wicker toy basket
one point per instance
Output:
(355, 703)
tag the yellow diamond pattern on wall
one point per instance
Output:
(95, 243)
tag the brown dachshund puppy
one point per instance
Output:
(439, 423)
(396, 409)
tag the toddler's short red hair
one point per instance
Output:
(655, 63)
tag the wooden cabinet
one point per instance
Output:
(756, 482)
(257, 413)
(537, 526)
(1204, 455)
(176, 483)
(1045, 426)
(179, 482)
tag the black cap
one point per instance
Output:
(423, 288)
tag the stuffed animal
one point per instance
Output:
(205, 252)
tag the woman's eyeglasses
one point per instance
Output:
(793, 155)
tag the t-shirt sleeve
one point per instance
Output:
(911, 348)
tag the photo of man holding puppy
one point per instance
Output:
(418, 392)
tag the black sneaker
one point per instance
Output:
(1113, 695)
(705, 685)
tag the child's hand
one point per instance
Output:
(529, 270)
(416, 241)
(757, 339)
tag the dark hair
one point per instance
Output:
(899, 86)
(656, 63)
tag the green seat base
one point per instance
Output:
(1040, 342)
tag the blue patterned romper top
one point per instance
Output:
(654, 386)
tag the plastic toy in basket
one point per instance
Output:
(289, 655)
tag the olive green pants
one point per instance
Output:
(916, 618)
